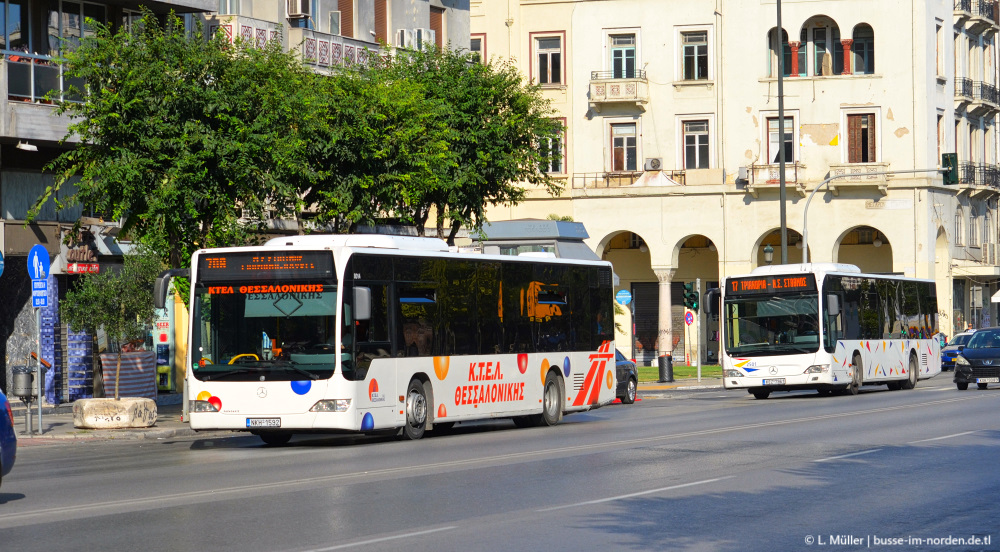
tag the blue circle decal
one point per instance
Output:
(566, 367)
(301, 387)
(368, 422)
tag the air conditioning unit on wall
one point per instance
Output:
(404, 38)
(297, 8)
(653, 164)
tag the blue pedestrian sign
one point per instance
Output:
(38, 270)
(1, 262)
(623, 297)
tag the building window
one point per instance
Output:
(973, 228)
(828, 52)
(552, 154)
(622, 56)
(861, 138)
(69, 24)
(863, 50)
(694, 46)
(775, 140)
(696, 145)
(939, 59)
(548, 54)
(624, 153)
(229, 7)
(959, 217)
(477, 45)
(940, 133)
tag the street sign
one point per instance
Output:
(689, 318)
(38, 269)
(1, 262)
(623, 297)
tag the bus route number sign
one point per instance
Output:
(769, 285)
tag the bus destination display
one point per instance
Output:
(272, 265)
(769, 285)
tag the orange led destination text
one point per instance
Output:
(278, 262)
(276, 288)
(792, 282)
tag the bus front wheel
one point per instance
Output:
(275, 439)
(760, 394)
(551, 400)
(416, 411)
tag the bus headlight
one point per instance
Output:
(734, 374)
(961, 360)
(817, 369)
(201, 406)
(331, 405)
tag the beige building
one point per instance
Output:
(672, 142)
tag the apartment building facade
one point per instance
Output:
(672, 139)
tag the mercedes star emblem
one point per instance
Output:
(262, 392)
(774, 370)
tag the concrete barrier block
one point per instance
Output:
(124, 413)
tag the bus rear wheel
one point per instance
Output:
(911, 380)
(416, 411)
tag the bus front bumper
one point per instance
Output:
(784, 382)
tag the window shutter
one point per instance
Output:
(854, 138)
(871, 138)
(346, 8)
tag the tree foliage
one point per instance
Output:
(119, 301)
(180, 135)
(494, 124)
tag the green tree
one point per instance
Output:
(119, 301)
(179, 136)
(494, 125)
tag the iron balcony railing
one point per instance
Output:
(979, 174)
(963, 87)
(618, 179)
(32, 77)
(986, 92)
(609, 75)
(986, 8)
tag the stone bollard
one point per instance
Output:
(125, 413)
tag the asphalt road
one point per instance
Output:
(695, 470)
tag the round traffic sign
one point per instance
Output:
(689, 318)
(623, 297)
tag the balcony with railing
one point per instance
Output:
(964, 91)
(768, 177)
(628, 178)
(33, 83)
(979, 178)
(859, 175)
(979, 15)
(617, 87)
(985, 99)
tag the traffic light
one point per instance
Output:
(949, 168)
(690, 296)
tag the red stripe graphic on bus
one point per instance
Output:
(592, 384)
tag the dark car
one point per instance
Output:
(628, 378)
(8, 439)
(951, 350)
(979, 361)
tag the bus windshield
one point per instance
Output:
(275, 325)
(772, 324)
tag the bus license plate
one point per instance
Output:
(987, 380)
(774, 381)
(263, 422)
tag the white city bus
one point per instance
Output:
(372, 333)
(827, 327)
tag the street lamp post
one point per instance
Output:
(768, 254)
(805, 209)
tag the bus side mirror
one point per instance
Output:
(362, 303)
(162, 285)
(833, 305)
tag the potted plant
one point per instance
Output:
(121, 303)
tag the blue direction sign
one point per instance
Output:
(38, 270)
(1, 262)
(623, 297)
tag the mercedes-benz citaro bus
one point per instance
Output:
(827, 327)
(373, 333)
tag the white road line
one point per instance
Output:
(382, 539)
(846, 455)
(631, 495)
(940, 438)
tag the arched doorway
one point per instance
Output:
(768, 250)
(867, 248)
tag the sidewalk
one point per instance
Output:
(57, 421)
(57, 424)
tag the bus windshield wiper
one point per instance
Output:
(286, 364)
(230, 373)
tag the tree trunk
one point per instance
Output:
(118, 371)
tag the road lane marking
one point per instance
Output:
(831, 458)
(632, 495)
(74, 511)
(381, 539)
(942, 437)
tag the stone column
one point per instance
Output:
(847, 44)
(795, 58)
(665, 335)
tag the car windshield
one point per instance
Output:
(986, 339)
(961, 339)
